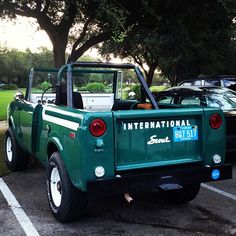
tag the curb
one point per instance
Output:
(3, 125)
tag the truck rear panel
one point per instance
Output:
(157, 139)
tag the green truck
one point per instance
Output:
(98, 130)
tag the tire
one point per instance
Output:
(16, 159)
(65, 201)
(179, 196)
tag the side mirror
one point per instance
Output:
(18, 96)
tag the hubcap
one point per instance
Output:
(9, 149)
(55, 186)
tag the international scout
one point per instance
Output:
(99, 131)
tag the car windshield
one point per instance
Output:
(207, 98)
(224, 91)
(229, 82)
(221, 101)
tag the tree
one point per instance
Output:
(191, 47)
(140, 48)
(140, 41)
(15, 64)
(183, 38)
(55, 17)
(70, 21)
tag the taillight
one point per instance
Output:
(97, 127)
(216, 121)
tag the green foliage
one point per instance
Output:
(113, 14)
(189, 47)
(163, 34)
(166, 34)
(78, 25)
(15, 65)
(136, 89)
(88, 58)
(96, 87)
(159, 80)
(10, 87)
(45, 85)
(125, 95)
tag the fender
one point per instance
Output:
(56, 141)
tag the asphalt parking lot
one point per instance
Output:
(211, 213)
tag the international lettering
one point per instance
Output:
(155, 124)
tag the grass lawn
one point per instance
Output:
(157, 88)
(6, 96)
(3, 168)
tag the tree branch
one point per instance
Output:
(68, 17)
(138, 60)
(38, 5)
(88, 44)
(82, 35)
(47, 4)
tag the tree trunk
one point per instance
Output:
(150, 75)
(59, 49)
(173, 81)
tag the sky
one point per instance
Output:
(23, 34)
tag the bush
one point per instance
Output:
(45, 85)
(10, 87)
(137, 90)
(125, 95)
(96, 87)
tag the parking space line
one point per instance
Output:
(17, 210)
(229, 195)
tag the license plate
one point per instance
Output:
(185, 133)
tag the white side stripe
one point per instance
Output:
(17, 210)
(62, 122)
(229, 195)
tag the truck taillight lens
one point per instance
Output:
(97, 127)
(216, 121)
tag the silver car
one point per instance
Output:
(225, 81)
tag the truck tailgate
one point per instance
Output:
(157, 138)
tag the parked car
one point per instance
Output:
(98, 142)
(1, 84)
(226, 81)
(206, 96)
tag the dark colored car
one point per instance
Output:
(226, 81)
(205, 96)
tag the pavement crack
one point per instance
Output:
(213, 216)
(121, 219)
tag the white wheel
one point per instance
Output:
(16, 158)
(9, 149)
(55, 186)
(66, 202)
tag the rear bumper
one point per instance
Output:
(151, 180)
